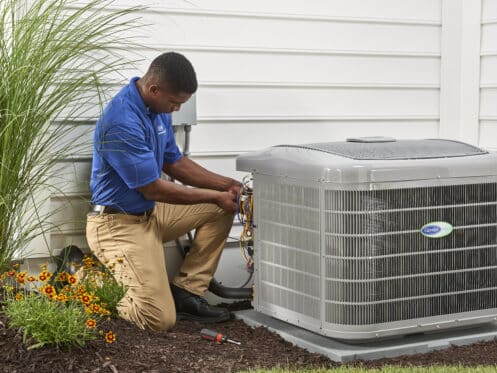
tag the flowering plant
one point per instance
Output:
(60, 309)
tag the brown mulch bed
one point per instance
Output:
(182, 350)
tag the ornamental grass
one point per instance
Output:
(57, 58)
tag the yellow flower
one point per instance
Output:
(19, 296)
(86, 299)
(104, 312)
(61, 298)
(110, 337)
(89, 262)
(11, 273)
(72, 279)
(49, 291)
(31, 278)
(96, 308)
(91, 324)
(44, 276)
(61, 277)
(21, 277)
(16, 266)
(88, 310)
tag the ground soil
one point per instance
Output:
(182, 350)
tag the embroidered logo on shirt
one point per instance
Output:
(161, 129)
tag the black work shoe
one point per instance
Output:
(193, 307)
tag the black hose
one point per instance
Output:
(231, 293)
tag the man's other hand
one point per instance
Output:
(228, 201)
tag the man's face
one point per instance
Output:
(165, 101)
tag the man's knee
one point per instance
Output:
(148, 314)
(163, 321)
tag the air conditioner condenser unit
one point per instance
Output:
(375, 237)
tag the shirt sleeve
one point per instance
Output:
(171, 150)
(125, 148)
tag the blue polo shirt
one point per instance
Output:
(130, 145)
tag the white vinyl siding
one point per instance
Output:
(274, 72)
(488, 78)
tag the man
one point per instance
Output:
(135, 211)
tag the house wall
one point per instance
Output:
(274, 72)
(488, 77)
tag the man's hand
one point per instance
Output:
(227, 201)
(235, 187)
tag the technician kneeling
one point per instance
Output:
(135, 211)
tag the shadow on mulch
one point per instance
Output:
(182, 350)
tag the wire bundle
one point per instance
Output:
(245, 216)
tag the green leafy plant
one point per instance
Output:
(49, 322)
(53, 56)
(100, 282)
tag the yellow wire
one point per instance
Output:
(247, 232)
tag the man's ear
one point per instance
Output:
(154, 89)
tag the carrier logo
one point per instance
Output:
(436, 229)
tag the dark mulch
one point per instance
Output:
(182, 350)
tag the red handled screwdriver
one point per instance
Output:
(212, 335)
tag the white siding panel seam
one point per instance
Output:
(293, 118)
(72, 159)
(310, 118)
(319, 85)
(259, 50)
(80, 196)
(64, 232)
(489, 21)
(489, 53)
(281, 84)
(286, 84)
(288, 16)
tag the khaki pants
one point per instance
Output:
(132, 247)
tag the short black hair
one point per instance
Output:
(175, 70)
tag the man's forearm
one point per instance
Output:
(191, 173)
(168, 192)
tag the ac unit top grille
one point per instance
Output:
(401, 149)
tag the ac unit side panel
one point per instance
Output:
(380, 268)
(287, 241)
